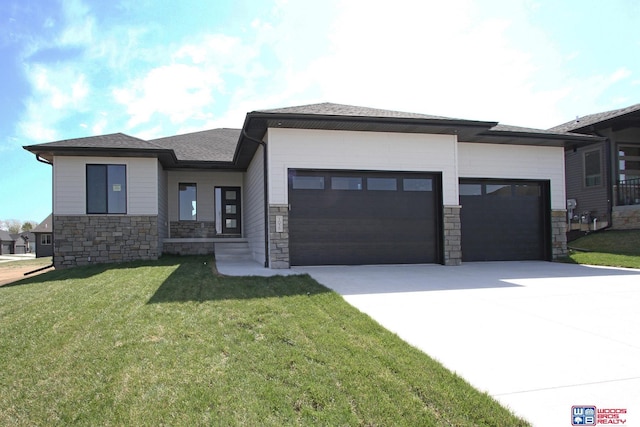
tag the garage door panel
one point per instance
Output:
(362, 226)
(507, 222)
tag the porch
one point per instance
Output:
(220, 247)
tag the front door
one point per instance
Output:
(230, 211)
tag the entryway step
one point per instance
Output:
(232, 250)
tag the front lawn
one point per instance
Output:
(173, 343)
(615, 248)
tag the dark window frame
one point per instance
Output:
(45, 239)
(195, 186)
(92, 197)
(592, 180)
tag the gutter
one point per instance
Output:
(46, 162)
(265, 191)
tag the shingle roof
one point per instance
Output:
(5, 236)
(216, 145)
(542, 132)
(110, 141)
(330, 109)
(592, 119)
(45, 226)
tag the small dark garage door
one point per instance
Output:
(504, 220)
(356, 218)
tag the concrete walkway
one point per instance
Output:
(539, 337)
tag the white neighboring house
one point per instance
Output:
(312, 185)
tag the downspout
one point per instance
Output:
(266, 194)
(46, 162)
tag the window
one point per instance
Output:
(307, 182)
(629, 162)
(346, 183)
(501, 190)
(106, 189)
(417, 184)
(45, 239)
(382, 184)
(592, 173)
(187, 202)
(471, 189)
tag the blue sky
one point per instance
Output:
(155, 68)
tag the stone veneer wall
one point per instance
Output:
(558, 234)
(189, 247)
(192, 229)
(94, 239)
(278, 241)
(452, 235)
(626, 217)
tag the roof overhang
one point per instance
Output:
(544, 139)
(256, 125)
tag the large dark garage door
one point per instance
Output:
(504, 220)
(355, 218)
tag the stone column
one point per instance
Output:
(278, 236)
(558, 234)
(452, 235)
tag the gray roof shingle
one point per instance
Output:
(330, 109)
(110, 141)
(216, 145)
(45, 226)
(591, 119)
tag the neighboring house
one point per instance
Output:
(23, 242)
(6, 243)
(603, 178)
(315, 184)
(44, 237)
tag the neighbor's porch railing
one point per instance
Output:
(628, 192)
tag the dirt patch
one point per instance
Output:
(10, 274)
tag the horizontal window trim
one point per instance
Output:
(363, 175)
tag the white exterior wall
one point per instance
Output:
(515, 162)
(69, 184)
(254, 206)
(205, 181)
(326, 149)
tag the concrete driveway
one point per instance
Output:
(539, 337)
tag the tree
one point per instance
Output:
(28, 226)
(13, 225)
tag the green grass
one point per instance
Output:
(615, 248)
(173, 343)
(29, 262)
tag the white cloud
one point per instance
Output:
(177, 91)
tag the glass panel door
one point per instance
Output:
(230, 210)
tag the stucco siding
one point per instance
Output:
(205, 181)
(69, 177)
(254, 206)
(323, 149)
(515, 162)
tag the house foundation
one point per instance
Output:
(96, 239)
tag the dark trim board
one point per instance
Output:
(347, 217)
(505, 220)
